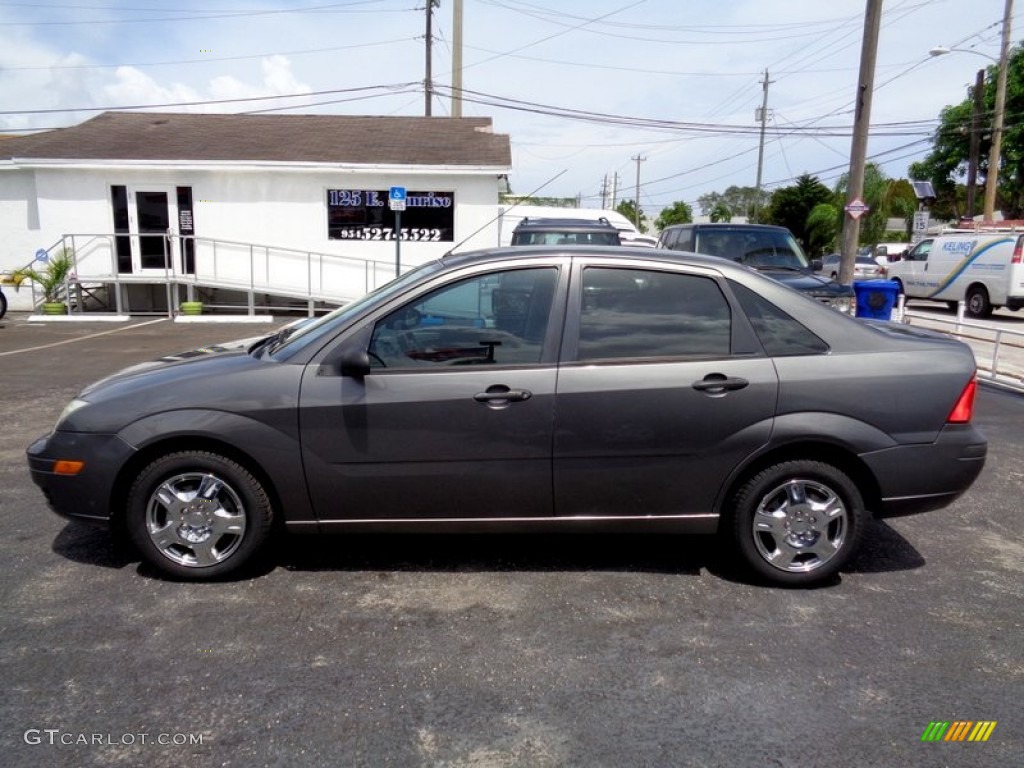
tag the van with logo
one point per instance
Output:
(981, 269)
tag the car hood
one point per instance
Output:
(807, 282)
(213, 381)
(233, 348)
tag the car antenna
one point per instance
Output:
(502, 213)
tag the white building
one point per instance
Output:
(284, 205)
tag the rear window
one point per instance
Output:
(566, 238)
(634, 313)
(752, 246)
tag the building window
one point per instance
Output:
(363, 214)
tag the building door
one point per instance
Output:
(151, 212)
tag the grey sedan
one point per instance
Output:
(531, 389)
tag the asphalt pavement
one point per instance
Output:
(480, 652)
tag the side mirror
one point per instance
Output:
(354, 363)
(817, 265)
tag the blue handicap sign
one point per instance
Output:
(397, 194)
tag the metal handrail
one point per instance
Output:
(247, 275)
(996, 368)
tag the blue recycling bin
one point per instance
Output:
(876, 298)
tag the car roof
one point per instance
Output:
(564, 224)
(591, 252)
(725, 225)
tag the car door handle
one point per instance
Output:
(719, 384)
(502, 394)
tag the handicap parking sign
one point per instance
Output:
(396, 199)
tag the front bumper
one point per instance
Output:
(919, 478)
(88, 494)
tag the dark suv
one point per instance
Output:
(565, 232)
(768, 249)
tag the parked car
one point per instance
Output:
(543, 389)
(3, 304)
(565, 232)
(984, 269)
(864, 267)
(772, 250)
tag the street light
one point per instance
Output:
(941, 50)
(978, 98)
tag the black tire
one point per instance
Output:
(798, 522)
(3, 305)
(978, 304)
(196, 516)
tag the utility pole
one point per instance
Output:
(992, 175)
(615, 190)
(604, 192)
(428, 82)
(457, 59)
(859, 145)
(972, 157)
(636, 201)
(760, 147)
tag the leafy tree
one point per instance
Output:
(739, 200)
(790, 207)
(946, 164)
(721, 212)
(628, 209)
(678, 213)
(824, 224)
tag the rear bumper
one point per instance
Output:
(920, 478)
(87, 495)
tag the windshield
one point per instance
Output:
(754, 247)
(326, 326)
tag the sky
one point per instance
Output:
(589, 91)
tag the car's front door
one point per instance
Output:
(913, 270)
(454, 419)
(655, 405)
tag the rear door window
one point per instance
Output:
(635, 313)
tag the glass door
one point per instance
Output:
(151, 213)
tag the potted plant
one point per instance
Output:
(49, 279)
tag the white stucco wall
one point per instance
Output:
(275, 206)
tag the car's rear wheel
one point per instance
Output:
(797, 522)
(197, 515)
(978, 304)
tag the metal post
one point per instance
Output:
(457, 59)
(992, 174)
(972, 158)
(428, 84)
(636, 201)
(398, 243)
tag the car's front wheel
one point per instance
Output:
(196, 515)
(797, 522)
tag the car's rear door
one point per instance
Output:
(660, 393)
(454, 419)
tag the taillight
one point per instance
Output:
(1017, 252)
(964, 408)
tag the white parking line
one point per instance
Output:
(82, 338)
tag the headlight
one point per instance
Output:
(69, 409)
(844, 304)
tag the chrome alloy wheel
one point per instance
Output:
(195, 519)
(799, 526)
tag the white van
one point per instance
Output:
(982, 269)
